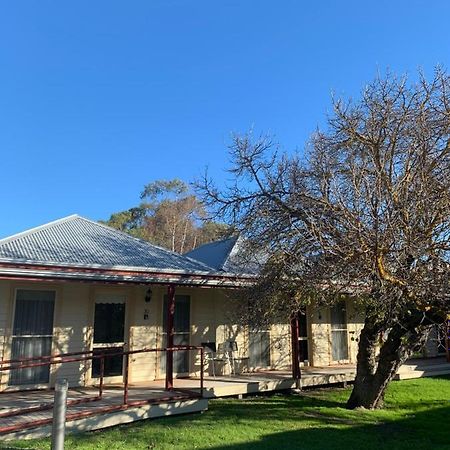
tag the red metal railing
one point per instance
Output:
(84, 356)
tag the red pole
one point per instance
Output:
(169, 353)
(125, 387)
(447, 337)
(102, 374)
(295, 334)
(202, 368)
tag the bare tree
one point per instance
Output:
(364, 213)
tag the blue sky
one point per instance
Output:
(98, 98)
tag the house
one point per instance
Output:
(74, 285)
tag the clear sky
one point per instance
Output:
(98, 98)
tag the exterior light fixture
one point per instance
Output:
(148, 296)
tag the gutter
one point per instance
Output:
(38, 272)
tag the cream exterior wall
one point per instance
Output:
(210, 322)
(321, 338)
(72, 330)
(280, 346)
(355, 323)
(4, 314)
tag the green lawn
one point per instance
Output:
(417, 416)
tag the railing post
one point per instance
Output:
(125, 388)
(59, 414)
(169, 353)
(102, 374)
(295, 334)
(202, 369)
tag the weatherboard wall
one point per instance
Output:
(211, 315)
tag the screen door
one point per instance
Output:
(109, 334)
(182, 328)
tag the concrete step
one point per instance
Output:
(435, 366)
(407, 375)
(423, 369)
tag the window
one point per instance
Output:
(113, 364)
(32, 334)
(339, 338)
(109, 323)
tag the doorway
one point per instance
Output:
(339, 335)
(32, 334)
(259, 348)
(182, 334)
(109, 334)
(303, 342)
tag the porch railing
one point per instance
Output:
(85, 356)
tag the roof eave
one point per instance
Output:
(27, 271)
(16, 261)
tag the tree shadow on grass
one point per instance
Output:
(258, 407)
(425, 430)
(227, 412)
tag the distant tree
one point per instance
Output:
(365, 213)
(130, 221)
(171, 216)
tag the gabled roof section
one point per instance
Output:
(226, 255)
(75, 240)
(214, 254)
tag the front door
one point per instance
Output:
(339, 337)
(109, 334)
(259, 348)
(32, 334)
(182, 333)
(303, 337)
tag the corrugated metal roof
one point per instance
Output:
(228, 256)
(214, 254)
(79, 241)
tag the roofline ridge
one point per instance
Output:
(233, 247)
(45, 226)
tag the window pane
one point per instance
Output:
(181, 320)
(113, 364)
(28, 347)
(109, 323)
(338, 317)
(339, 345)
(34, 313)
(302, 324)
(303, 347)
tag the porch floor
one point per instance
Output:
(268, 380)
(146, 400)
(150, 400)
(143, 402)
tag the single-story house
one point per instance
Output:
(74, 285)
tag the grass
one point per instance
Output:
(416, 416)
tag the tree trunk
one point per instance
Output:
(366, 364)
(372, 379)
